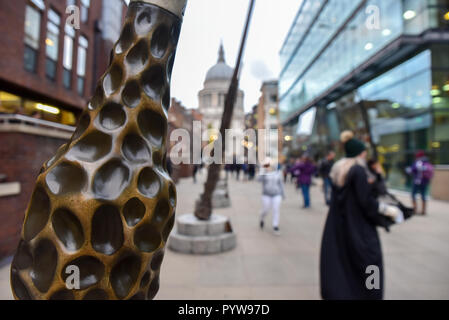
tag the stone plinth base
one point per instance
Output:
(195, 236)
(220, 197)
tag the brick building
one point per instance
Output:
(48, 72)
(180, 117)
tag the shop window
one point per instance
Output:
(52, 44)
(9, 103)
(32, 37)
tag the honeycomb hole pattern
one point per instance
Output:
(63, 294)
(91, 271)
(172, 194)
(131, 94)
(112, 116)
(68, 229)
(96, 294)
(126, 39)
(153, 82)
(111, 179)
(124, 275)
(38, 214)
(134, 211)
(161, 212)
(147, 238)
(45, 259)
(143, 21)
(62, 149)
(23, 259)
(138, 57)
(113, 79)
(94, 146)
(153, 127)
(107, 230)
(168, 227)
(97, 99)
(138, 296)
(159, 42)
(149, 183)
(66, 178)
(156, 261)
(153, 289)
(104, 202)
(166, 100)
(135, 149)
(145, 279)
(19, 287)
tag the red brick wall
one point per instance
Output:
(15, 78)
(21, 158)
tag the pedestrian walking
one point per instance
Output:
(324, 170)
(304, 172)
(251, 171)
(272, 194)
(422, 173)
(194, 172)
(238, 168)
(350, 248)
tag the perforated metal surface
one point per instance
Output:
(105, 202)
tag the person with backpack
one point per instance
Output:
(272, 194)
(422, 173)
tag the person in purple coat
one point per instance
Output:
(304, 171)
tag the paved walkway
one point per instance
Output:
(264, 266)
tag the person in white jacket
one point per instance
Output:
(272, 193)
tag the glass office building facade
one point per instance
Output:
(379, 68)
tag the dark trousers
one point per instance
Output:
(305, 188)
(327, 188)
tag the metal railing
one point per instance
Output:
(12, 119)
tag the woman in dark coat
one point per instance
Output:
(350, 241)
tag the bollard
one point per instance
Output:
(104, 205)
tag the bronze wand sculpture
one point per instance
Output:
(203, 209)
(104, 205)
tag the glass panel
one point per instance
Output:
(354, 44)
(54, 17)
(67, 78)
(68, 52)
(30, 59)
(80, 86)
(50, 69)
(440, 142)
(32, 27)
(82, 56)
(85, 4)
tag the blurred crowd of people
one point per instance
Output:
(359, 202)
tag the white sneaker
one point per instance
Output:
(276, 231)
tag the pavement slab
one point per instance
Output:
(286, 267)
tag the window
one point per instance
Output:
(82, 60)
(32, 37)
(52, 44)
(85, 4)
(68, 56)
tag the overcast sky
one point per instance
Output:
(207, 22)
